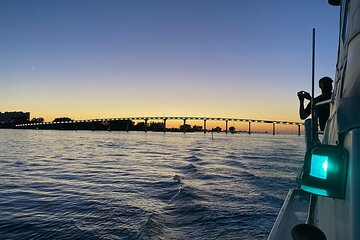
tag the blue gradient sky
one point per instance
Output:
(225, 58)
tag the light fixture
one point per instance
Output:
(325, 171)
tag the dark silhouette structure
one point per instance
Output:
(37, 120)
(62, 119)
(232, 129)
(122, 124)
(11, 119)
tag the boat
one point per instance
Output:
(326, 203)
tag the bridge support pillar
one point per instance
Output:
(226, 127)
(249, 128)
(145, 124)
(109, 127)
(299, 130)
(76, 126)
(184, 125)
(92, 126)
(164, 125)
(127, 125)
(273, 128)
(204, 125)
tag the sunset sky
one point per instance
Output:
(226, 58)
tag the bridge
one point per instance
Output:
(164, 119)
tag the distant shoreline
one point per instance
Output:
(170, 130)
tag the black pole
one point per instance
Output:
(273, 128)
(164, 125)
(313, 120)
(313, 198)
(184, 125)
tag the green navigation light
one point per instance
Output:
(319, 166)
(316, 191)
(325, 171)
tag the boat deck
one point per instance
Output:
(294, 211)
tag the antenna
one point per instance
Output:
(313, 117)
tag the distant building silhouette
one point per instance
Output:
(14, 117)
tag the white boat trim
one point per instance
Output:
(293, 211)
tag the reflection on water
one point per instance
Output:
(117, 185)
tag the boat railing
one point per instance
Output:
(317, 105)
(323, 103)
(314, 127)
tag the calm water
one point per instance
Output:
(118, 185)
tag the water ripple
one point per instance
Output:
(110, 185)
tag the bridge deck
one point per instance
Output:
(168, 118)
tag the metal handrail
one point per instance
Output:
(323, 103)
